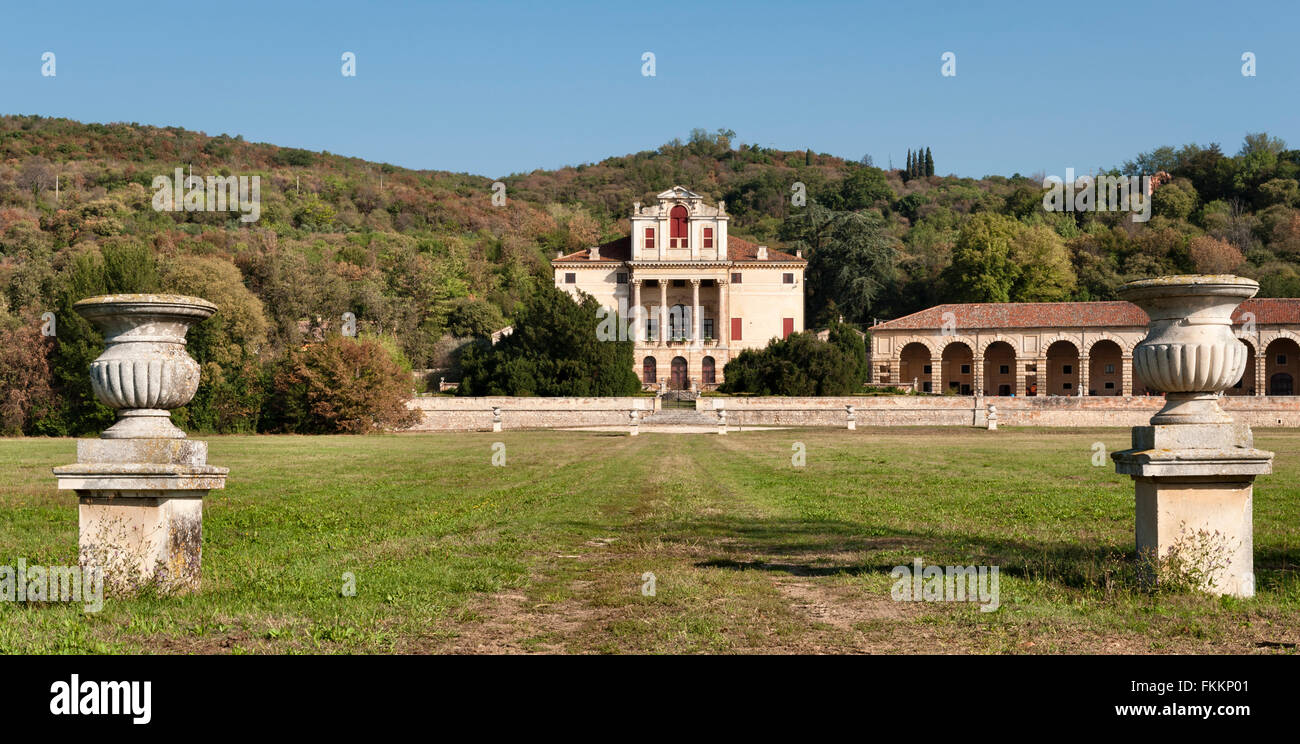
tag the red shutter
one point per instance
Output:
(787, 327)
(736, 324)
(708, 237)
(649, 237)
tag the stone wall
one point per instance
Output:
(906, 410)
(447, 413)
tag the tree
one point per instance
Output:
(1045, 271)
(226, 346)
(800, 364)
(929, 163)
(554, 350)
(1213, 256)
(25, 391)
(982, 269)
(850, 258)
(341, 386)
(863, 187)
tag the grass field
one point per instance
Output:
(750, 553)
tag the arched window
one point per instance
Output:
(648, 372)
(707, 375)
(677, 227)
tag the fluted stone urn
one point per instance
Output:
(1190, 352)
(1193, 467)
(140, 485)
(145, 370)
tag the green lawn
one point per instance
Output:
(749, 553)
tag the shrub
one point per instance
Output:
(343, 385)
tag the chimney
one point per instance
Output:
(595, 253)
(798, 253)
(762, 253)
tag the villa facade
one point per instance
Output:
(1063, 348)
(696, 295)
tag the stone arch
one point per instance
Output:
(1279, 378)
(999, 372)
(1062, 374)
(998, 339)
(1105, 367)
(914, 358)
(1125, 347)
(957, 367)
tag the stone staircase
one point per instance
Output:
(680, 417)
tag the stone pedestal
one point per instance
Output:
(722, 421)
(1193, 487)
(141, 510)
(853, 418)
(635, 422)
(1193, 468)
(496, 419)
(993, 417)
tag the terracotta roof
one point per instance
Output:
(739, 249)
(620, 249)
(1070, 315)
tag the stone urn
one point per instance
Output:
(145, 370)
(1190, 353)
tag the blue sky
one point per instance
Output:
(501, 87)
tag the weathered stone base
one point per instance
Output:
(140, 539)
(141, 510)
(1199, 530)
(1194, 486)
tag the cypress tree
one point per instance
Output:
(907, 174)
(929, 163)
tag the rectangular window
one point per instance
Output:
(926, 387)
(708, 327)
(650, 238)
(1110, 369)
(1111, 386)
(652, 329)
(708, 237)
(736, 324)
(1067, 385)
(621, 278)
(1281, 360)
(965, 369)
(1004, 370)
(735, 277)
(570, 278)
(1067, 369)
(787, 327)
(925, 369)
(787, 278)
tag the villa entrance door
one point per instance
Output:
(679, 380)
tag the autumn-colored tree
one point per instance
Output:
(25, 391)
(1214, 256)
(341, 386)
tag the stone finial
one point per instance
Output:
(762, 253)
(636, 207)
(595, 253)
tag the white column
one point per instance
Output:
(724, 312)
(663, 310)
(638, 317)
(696, 320)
